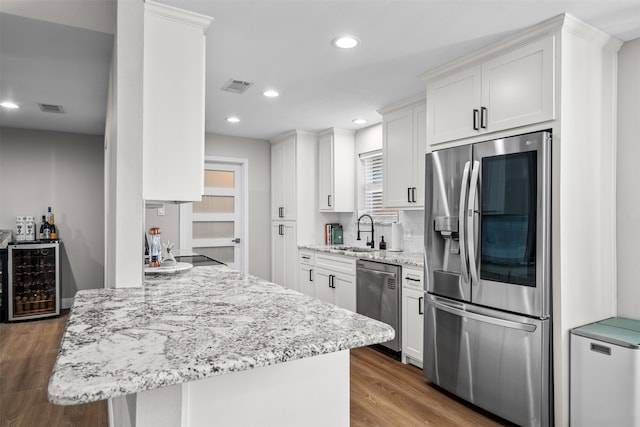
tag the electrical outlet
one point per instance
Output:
(408, 235)
(161, 211)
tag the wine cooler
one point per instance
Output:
(33, 281)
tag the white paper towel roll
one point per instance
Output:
(397, 234)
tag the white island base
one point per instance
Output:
(308, 392)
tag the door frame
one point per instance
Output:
(243, 163)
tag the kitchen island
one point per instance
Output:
(210, 346)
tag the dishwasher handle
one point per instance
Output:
(481, 317)
(377, 273)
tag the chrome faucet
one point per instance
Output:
(372, 243)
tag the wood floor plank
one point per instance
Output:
(385, 392)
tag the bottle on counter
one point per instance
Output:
(20, 232)
(53, 232)
(383, 244)
(30, 228)
(42, 224)
(155, 248)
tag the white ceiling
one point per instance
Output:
(274, 44)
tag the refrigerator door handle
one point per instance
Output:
(464, 186)
(527, 327)
(471, 240)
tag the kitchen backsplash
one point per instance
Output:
(412, 223)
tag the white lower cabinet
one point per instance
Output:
(328, 278)
(336, 288)
(412, 316)
(306, 273)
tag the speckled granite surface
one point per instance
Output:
(413, 259)
(181, 327)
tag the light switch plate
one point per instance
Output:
(161, 211)
(408, 235)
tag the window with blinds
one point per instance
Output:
(373, 178)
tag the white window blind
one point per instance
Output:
(373, 178)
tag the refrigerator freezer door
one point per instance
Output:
(497, 361)
(446, 183)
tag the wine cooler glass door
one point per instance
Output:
(34, 285)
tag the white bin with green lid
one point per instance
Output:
(605, 374)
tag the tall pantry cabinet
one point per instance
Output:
(559, 75)
(294, 207)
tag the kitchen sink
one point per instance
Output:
(354, 249)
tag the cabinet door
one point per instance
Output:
(284, 254)
(277, 254)
(412, 324)
(325, 173)
(345, 291)
(451, 102)
(398, 152)
(517, 88)
(323, 290)
(289, 184)
(277, 181)
(173, 103)
(283, 180)
(420, 149)
(306, 283)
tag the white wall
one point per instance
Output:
(258, 152)
(628, 177)
(64, 171)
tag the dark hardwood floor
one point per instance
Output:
(384, 392)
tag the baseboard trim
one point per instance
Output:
(67, 303)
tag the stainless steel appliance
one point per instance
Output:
(487, 274)
(378, 295)
(33, 281)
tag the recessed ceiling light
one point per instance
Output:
(233, 119)
(359, 121)
(271, 93)
(346, 42)
(10, 105)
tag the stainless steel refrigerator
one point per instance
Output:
(487, 275)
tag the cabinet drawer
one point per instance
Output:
(307, 258)
(412, 278)
(336, 264)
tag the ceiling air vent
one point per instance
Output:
(236, 86)
(50, 108)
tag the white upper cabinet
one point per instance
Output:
(283, 178)
(336, 171)
(513, 89)
(404, 146)
(173, 103)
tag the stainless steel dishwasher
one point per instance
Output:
(378, 295)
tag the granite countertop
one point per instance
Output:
(414, 259)
(187, 326)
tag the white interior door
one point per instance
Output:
(215, 226)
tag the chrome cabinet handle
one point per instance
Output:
(310, 278)
(329, 200)
(408, 194)
(475, 119)
(421, 305)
